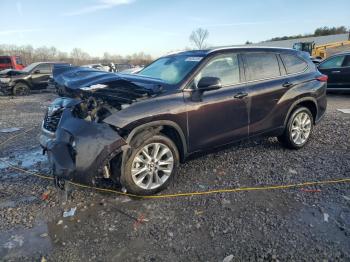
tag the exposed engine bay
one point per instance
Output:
(101, 93)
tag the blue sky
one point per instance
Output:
(159, 26)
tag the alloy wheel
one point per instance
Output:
(152, 166)
(301, 128)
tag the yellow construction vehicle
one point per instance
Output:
(322, 51)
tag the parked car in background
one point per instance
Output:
(11, 62)
(133, 70)
(33, 77)
(97, 66)
(122, 67)
(337, 68)
(135, 129)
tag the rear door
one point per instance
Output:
(334, 67)
(41, 75)
(267, 82)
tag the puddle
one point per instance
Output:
(25, 242)
(31, 160)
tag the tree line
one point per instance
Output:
(77, 56)
(321, 31)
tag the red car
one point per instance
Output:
(12, 62)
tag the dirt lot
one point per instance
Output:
(308, 224)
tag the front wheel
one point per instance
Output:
(150, 166)
(21, 89)
(298, 129)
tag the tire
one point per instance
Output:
(295, 136)
(21, 89)
(154, 178)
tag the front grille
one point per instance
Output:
(51, 121)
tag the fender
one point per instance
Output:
(160, 123)
(24, 82)
(295, 103)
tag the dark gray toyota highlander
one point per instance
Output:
(136, 129)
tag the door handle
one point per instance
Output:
(240, 95)
(335, 72)
(287, 84)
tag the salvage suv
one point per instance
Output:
(136, 129)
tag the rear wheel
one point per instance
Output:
(298, 129)
(20, 89)
(151, 166)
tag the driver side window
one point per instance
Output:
(44, 68)
(223, 66)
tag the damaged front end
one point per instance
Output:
(78, 149)
(79, 145)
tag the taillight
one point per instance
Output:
(322, 78)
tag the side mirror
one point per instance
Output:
(37, 71)
(208, 83)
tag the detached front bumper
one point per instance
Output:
(79, 150)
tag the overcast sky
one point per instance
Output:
(159, 26)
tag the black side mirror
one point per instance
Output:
(37, 71)
(208, 83)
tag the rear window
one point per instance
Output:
(261, 66)
(293, 63)
(5, 60)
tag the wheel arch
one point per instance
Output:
(308, 102)
(166, 127)
(23, 81)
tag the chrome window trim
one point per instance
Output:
(252, 81)
(186, 89)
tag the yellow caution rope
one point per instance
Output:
(189, 194)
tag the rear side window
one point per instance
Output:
(5, 60)
(293, 63)
(334, 62)
(261, 66)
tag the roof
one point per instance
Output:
(205, 52)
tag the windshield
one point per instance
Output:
(171, 69)
(30, 67)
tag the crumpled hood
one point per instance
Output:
(12, 73)
(75, 78)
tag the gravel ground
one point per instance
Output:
(303, 224)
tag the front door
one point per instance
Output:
(337, 69)
(40, 76)
(220, 116)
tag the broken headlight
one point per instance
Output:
(91, 110)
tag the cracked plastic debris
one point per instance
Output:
(70, 213)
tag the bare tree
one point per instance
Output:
(198, 37)
(79, 56)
